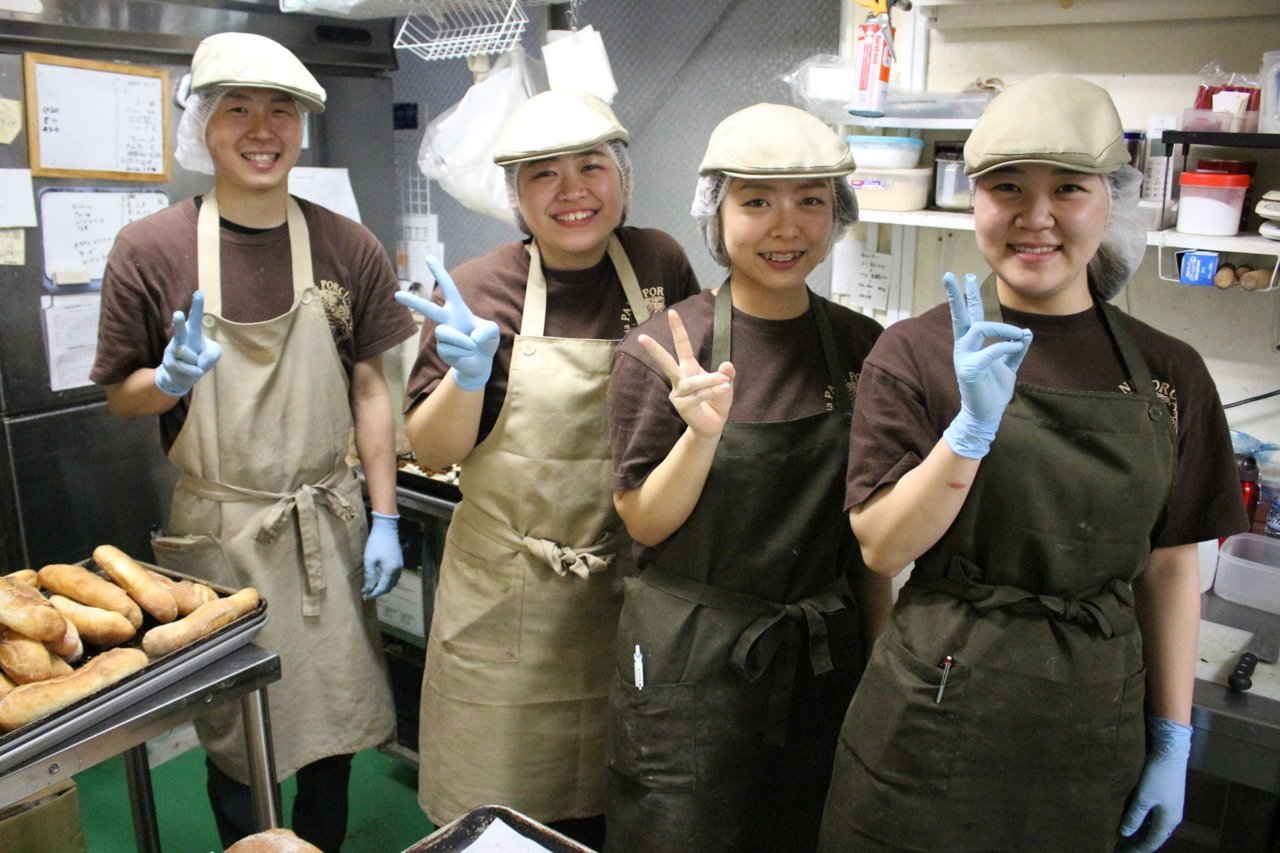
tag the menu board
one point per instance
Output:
(78, 227)
(90, 119)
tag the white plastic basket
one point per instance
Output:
(450, 29)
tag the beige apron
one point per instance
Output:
(520, 658)
(265, 499)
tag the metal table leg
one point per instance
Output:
(138, 773)
(262, 761)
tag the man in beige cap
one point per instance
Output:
(1054, 598)
(280, 312)
(745, 633)
(518, 662)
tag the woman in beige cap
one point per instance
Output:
(254, 324)
(741, 640)
(518, 661)
(1054, 601)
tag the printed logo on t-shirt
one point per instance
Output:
(851, 386)
(337, 307)
(1167, 394)
(655, 299)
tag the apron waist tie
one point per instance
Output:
(1109, 609)
(564, 559)
(301, 501)
(775, 630)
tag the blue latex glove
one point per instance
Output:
(383, 558)
(1161, 789)
(188, 357)
(463, 340)
(986, 373)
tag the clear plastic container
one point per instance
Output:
(1269, 109)
(891, 189)
(950, 183)
(1211, 203)
(1249, 571)
(885, 152)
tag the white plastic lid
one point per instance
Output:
(884, 141)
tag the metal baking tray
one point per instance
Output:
(459, 834)
(40, 735)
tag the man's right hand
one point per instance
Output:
(188, 357)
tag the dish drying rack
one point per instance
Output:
(452, 29)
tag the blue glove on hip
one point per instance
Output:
(464, 341)
(188, 357)
(1161, 789)
(986, 374)
(383, 559)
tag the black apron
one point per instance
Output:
(1037, 740)
(750, 641)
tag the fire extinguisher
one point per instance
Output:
(872, 58)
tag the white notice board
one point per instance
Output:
(96, 119)
(78, 227)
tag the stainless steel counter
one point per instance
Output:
(242, 675)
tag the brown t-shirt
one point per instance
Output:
(151, 272)
(586, 304)
(781, 375)
(909, 395)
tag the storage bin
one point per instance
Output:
(1211, 203)
(891, 189)
(885, 152)
(1249, 571)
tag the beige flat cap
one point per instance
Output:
(1051, 119)
(556, 122)
(776, 140)
(245, 59)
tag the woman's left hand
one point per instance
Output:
(1162, 788)
(703, 399)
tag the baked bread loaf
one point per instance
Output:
(273, 841)
(188, 594)
(103, 628)
(23, 659)
(82, 585)
(204, 620)
(133, 577)
(24, 610)
(30, 702)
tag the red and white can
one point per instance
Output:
(871, 60)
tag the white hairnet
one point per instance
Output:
(713, 185)
(192, 150)
(1125, 240)
(617, 150)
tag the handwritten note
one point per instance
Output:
(79, 226)
(10, 120)
(96, 119)
(13, 247)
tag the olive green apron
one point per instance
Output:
(749, 641)
(1036, 739)
(266, 499)
(519, 658)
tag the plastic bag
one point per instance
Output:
(822, 83)
(457, 149)
(576, 59)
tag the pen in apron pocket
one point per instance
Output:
(637, 660)
(946, 663)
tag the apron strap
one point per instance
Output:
(1109, 609)
(209, 251)
(533, 320)
(302, 502)
(722, 344)
(564, 559)
(776, 629)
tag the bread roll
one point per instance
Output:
(80, 584)
(104, 628)
(69, 647)
(30, 702)
(23, 659)
(206, 619)
(58, 667)
(188, 594)
(135, 580)
(273, 841)
(24, 576)
(6, 684)
(28, 614)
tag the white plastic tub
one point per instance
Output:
(885, 152)
(1249, 571)
(1211, 203)
(891, 189)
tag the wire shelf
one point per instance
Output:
(452, 29)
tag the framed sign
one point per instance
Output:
(91, 119)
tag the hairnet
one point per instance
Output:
(710, 192)
(1125, 240)
(617, 150)
(192, 150)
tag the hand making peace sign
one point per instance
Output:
(703, 399)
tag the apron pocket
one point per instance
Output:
(198, 555)
(479, 601)
(894, 726)
(651, 735)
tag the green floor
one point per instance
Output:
(385, 817)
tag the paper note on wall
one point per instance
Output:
(871, 286)
(70, 338)
(17, 201)
(329, 188)
(10, 120)
(78, 227)
(13, 247)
